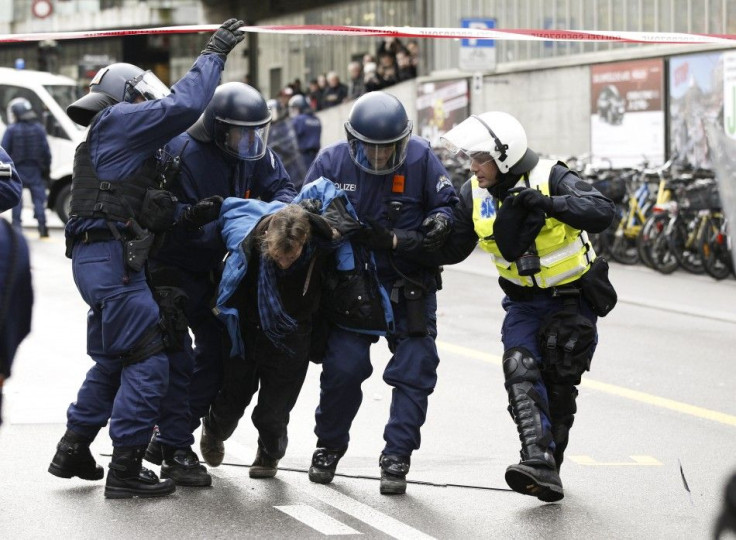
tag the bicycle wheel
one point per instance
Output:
(623, 248)
(652, 228)
(687, 256)
(662, 258)
(714, 251)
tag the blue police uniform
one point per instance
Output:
(308, 131)
(196, 256)
(11, 187)
(25, 141)
(399, 200)
(16, 292)
(122, 308)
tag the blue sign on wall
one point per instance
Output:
(482, 24)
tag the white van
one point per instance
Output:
(49, 95)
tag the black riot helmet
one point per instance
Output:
(237, 120)
(21, 110)
(378, 131)
(114, 84)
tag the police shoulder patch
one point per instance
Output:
(443, 182)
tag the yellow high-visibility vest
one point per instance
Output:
(564, 252)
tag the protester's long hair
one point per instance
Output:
(288, 230)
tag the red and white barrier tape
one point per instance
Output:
(402, 31)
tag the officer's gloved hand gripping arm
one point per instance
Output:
(378, 237)
(572, 201)
(201, 213)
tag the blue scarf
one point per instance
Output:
(275, 322)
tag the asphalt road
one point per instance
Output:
(652, 445)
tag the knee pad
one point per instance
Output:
(519, 365)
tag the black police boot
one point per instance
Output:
(538, 481)
(184, 469)
(562, 409)
(393, 473)
(155, 451)
(536, 473)
(43, 231)
(264, 466)
(212, 448)
(324, 464)
(73, 458)
(127, 478)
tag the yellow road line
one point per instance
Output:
(620, 391)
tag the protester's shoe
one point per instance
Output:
(127, 478)
(538, 481)
(393, 473)
(264, 466)
(43, 231)
(73, 458)
(212, 448)
(184, 468)
(155, 451)
(324, 464)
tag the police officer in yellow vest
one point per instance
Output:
(531, 215)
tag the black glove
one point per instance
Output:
(532, 198)
(225, 38)
(437, 228)
(203, 212)
(375, 236)
(313, 206)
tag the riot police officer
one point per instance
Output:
(26, 143)
(531, 215)
(224, 154)
(16, 292)
(308, 131)
(283, 141)
(397, 186)
(116, 207)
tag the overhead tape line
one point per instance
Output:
(402, 31)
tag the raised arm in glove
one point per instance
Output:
(225, 38)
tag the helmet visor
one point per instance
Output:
(147, 86)
(243, 142)
(378, 158)
(468, 139)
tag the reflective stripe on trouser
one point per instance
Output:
(119, 315)
(412, 372)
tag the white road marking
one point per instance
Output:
(330, 496)
(317, 520)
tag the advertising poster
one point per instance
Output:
(627, 113)
(696, 100)
(441, 105)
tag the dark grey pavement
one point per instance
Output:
(659, 400)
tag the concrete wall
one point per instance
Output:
(552, 104)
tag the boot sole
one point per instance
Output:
(392, 487)
(526, 484)
(61, 473)
(127, 493)
(262, 473)
(320, 477)
(196, 482)
(213, 462)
